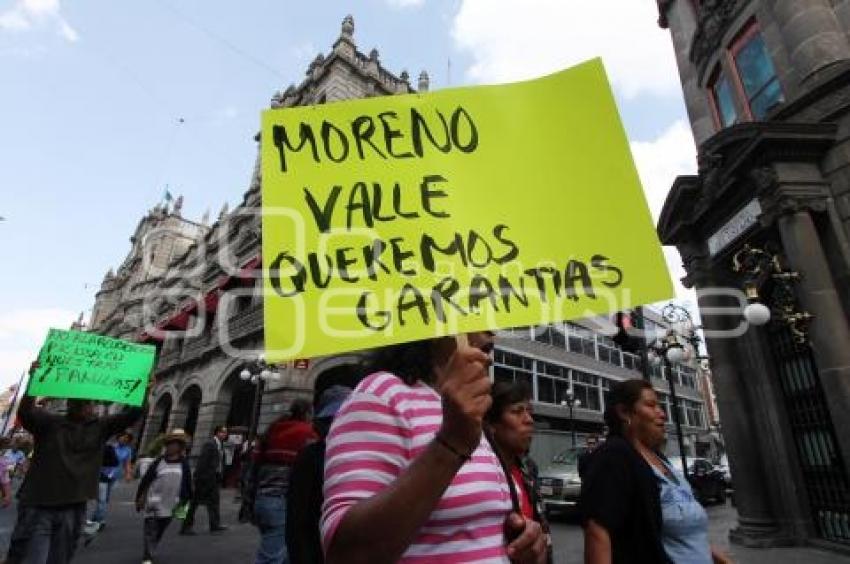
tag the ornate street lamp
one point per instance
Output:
(257, 373)
(679, 344)
(570, 400)
(762, 273)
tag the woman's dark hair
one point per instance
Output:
(626, 393)
(300, 409)
(411, 362)
(504, 395)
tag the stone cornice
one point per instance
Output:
(736, 166)
(713, 22)
(827, 96)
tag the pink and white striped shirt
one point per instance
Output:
(383, 426)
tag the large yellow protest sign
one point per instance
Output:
(399, 218)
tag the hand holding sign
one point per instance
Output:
(464, 385)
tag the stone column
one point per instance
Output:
(829, 333)
(177, 419)
(811, 33)
(757, 522)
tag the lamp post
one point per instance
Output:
(257, 373)
(680, 343)
(570, 400)
(763, 273)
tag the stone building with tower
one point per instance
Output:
(194, 290)
(767, 90)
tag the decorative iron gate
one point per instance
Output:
(824, 474)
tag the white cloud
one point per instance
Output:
(26, 15)
(659, 162)
(22, 332)
(68, 32)
(405, 3)
(512, 40)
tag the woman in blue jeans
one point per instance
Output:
(273, 458)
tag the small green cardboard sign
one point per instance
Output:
(74, 364)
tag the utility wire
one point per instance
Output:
(220, 39)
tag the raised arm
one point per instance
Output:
(34, 419)
(127, 417)
(404, 505)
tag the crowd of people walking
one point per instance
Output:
(425, 460)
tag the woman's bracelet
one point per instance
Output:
(464, 458)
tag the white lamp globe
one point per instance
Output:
(244, 375)
(578, 403)
(675, 355)
(265, 374)
(757, 314)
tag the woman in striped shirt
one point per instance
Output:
(408, 476)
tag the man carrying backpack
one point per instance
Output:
(116, 464)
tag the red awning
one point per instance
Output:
(189, 306)
(211, 300)
(146, 337)
(178, 321)
(249, 269)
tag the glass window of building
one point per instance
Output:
(510, 367)
(586, 389)
(631, 361)
(581, 340)
(664, 402)
(723, 100)
(755, 72)
(608, 351)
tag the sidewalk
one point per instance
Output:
(724, 518)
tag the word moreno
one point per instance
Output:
(384, 135)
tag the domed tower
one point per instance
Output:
(767, 221)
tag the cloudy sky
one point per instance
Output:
(103, 104)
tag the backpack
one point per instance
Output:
(110, 458)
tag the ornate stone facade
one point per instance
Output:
(194, 290)
(784, 405)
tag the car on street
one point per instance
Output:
(560, 484)
(706, 479)
(723, 466)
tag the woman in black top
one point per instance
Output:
(621, 491)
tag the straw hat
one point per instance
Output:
(177, 435)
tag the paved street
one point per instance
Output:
(120, 542)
